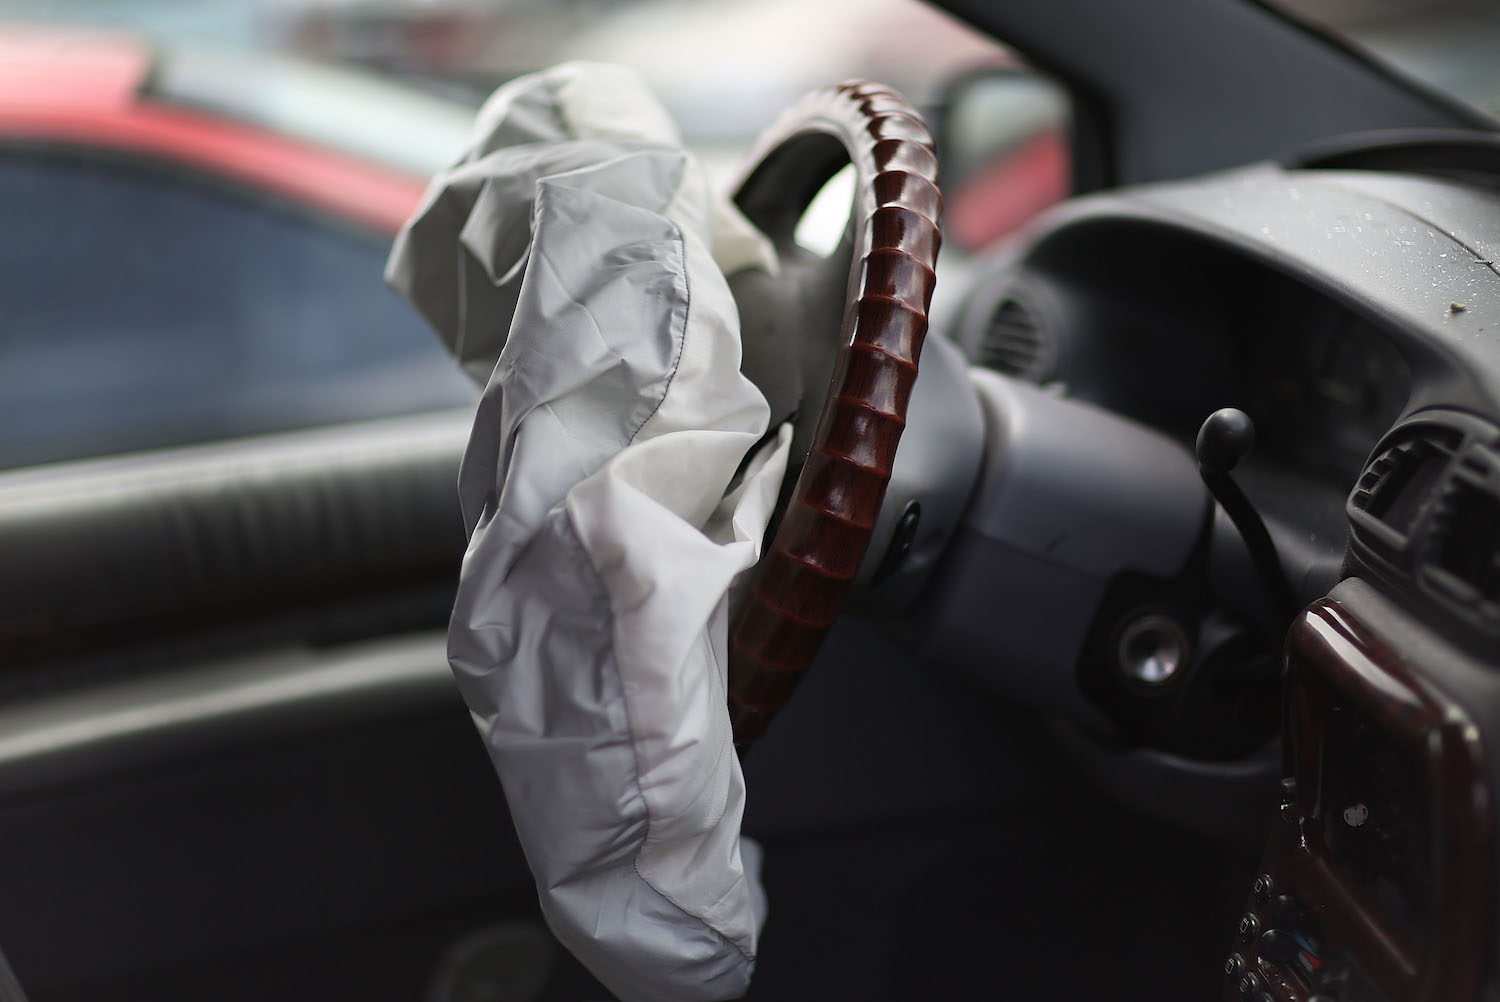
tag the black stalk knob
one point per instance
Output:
(1223, 442)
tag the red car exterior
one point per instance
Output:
(90, 90)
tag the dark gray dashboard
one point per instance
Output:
(1245, 267)
(1327, 304)
(1353, 315)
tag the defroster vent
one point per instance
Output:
(1015, 343)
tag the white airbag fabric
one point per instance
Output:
(574, 260)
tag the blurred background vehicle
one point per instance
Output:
(193, 246)
(199, 196)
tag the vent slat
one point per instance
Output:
(1397, 485)
(1425, 516)
(1015, 343)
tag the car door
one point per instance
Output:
(228, 543)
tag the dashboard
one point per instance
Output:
(1355, 318)
(1165, 326)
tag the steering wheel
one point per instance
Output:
(847, 397)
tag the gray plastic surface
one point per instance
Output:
(1170, 295)
(1399, 250)
(937, 465)
(1070, 497)
(1396, 250)
(1232, 801)
(1088, 490)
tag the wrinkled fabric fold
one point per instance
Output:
(573, 262)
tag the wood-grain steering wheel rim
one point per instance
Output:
(806, 572)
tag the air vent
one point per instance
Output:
(1015, 343)
(1392, 490)
(1464, 558)
(1424, 519)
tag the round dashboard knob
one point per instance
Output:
(1263, 888)
(1277, 946)
(1226, 437)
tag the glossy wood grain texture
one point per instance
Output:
(808, 567)
(1336, 657)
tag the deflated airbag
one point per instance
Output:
(573, 261)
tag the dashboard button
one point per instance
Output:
(1250, 984)
(1234, 966)
(1278, 946)
(1263, 887)
(1249, 928)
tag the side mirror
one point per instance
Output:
(1002, 142)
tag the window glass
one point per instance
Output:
(142, 308)
(1448, 44)
(724, 69)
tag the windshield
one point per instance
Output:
(364, 115)
(1451, 45)
(199, 196)
(724, 70)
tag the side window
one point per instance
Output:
(142, 307)
(1005, 153)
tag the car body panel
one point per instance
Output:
(59, 89)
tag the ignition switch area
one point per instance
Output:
(1076, 582)
(1152, 650)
